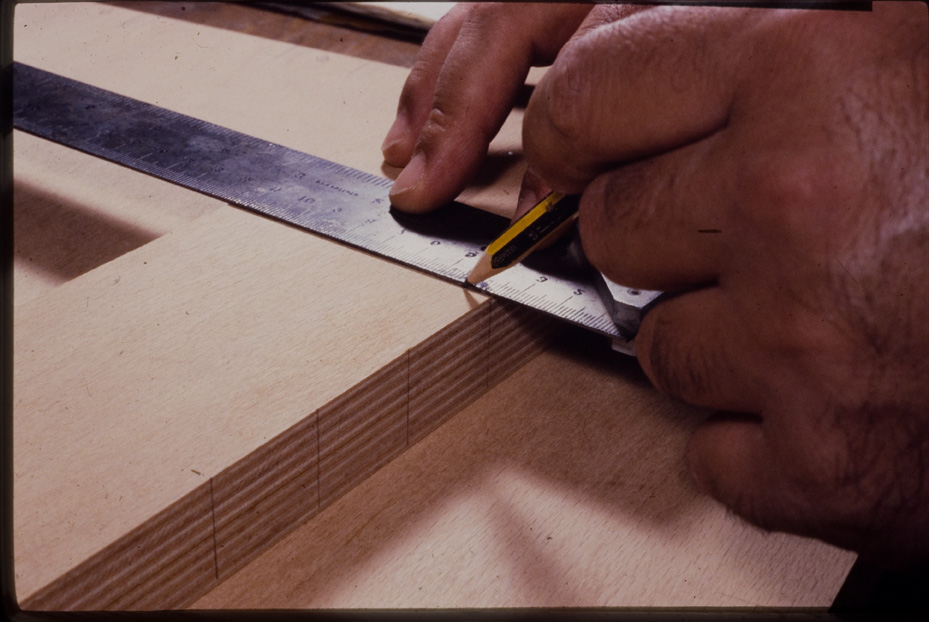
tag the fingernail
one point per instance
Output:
(410, 176)
(391, 147)
(531, 192)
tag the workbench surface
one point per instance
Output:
(170, 429)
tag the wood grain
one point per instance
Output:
(193, 382)
(200, 349)
(192, 368)
(563, 486)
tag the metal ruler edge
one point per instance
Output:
(314, 194)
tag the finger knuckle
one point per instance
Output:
(490, 12)
(418, 84)
(596, 237)
(795, 193)
(673, 366)
(615, 209)
(439, 120)
(438, 124)
(565, 100)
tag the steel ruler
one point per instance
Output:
(317, 195)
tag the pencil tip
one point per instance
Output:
(481, 270)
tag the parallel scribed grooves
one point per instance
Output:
(360, 459)
(141, 558)
(449, 371)
(286, 457)
(443, 399)
(261, 524)
(368, 436)
(168, 561)
(362, 429)
(261, 497)
(517, 334)
(382, 392)
(175, 583)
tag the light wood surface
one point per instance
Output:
(226, 366)
(563, 486)
(192, 382)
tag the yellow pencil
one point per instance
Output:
(547, 219)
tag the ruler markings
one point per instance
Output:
(318, 195)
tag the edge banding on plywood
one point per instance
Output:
(258, 481)
(273, 488)
(177, 555)
(174, 546)
(362, 429)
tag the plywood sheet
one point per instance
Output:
(74, 213)
(563, 486)
(226, 367)
(193, 383)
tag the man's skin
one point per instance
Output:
(771, 166)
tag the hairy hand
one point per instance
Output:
(460, 90)
(772, 166)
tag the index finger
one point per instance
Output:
(629, 89)
(462, 94)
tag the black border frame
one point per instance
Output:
(868, 592)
